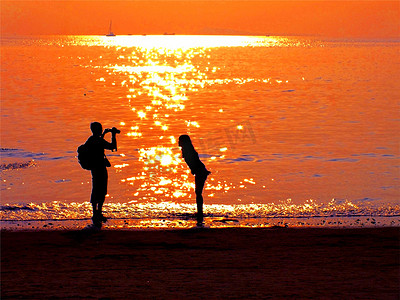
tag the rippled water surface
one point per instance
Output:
(273, 118)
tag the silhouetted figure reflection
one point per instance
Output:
(99, 162)
(199, 171)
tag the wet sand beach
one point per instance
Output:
(209, 263)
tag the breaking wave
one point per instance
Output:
(170, 210)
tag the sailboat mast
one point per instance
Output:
(110, 33)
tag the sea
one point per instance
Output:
(297, 131)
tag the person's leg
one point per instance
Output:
(93, 196)
(103, 196)
(100, 213)
(94, 209)
(96, 218)
(99, 191)
(199, 181)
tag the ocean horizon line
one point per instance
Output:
(324, 37)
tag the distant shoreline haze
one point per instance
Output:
(339, 19)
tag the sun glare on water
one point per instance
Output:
(170, 43)
(158, 75)
(258, 109)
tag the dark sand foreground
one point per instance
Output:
(208, 264)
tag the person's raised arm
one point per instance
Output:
(113, 145)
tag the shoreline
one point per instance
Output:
(188, 222)
(250, 263)
(91, 229)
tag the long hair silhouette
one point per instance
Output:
(198, 169)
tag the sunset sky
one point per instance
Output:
(362, 19)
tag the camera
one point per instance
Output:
(112, 130)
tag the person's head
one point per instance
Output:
(96, 128)
(184, 141)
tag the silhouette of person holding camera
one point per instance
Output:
(198, 169)
(97, 144)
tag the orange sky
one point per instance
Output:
(364, 19)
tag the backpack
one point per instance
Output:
(84, 156)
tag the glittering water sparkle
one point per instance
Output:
(180, 215)
(273, 118)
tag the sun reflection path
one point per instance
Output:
(157, 80)
(171, 43)
(158, 75)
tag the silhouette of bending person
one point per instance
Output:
(97, 144)
(199, 171)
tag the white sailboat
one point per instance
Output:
(110, 33)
